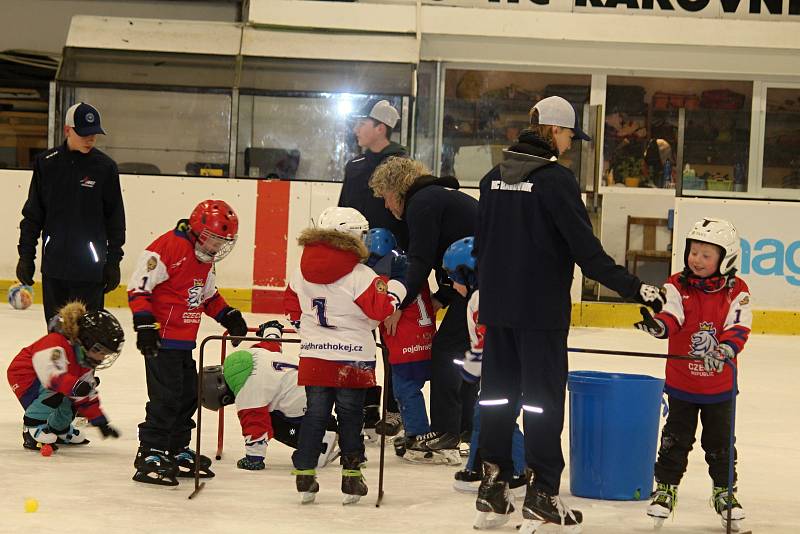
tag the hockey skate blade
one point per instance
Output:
(530, 526)
(441, 457)
(144, 479)
(350, 499)
(489, 520)
(466, 487)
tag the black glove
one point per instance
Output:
(650, 324)
(83, 387)
(399, 268)
(147, 339)
(108, 431)
(234, 323)
(269, 329)
(110, 276)
(25, 270)
(652, 296)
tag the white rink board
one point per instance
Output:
(770, 244)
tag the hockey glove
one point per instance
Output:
(398, 267)
(25, 270)
(251, 463)
(111, 276)
(652, 296)
(148, 340)
(83, 387)
(108, 431)
(714, 359)
(650, 324)
(270, 330)
(234, 323)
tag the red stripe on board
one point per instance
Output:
(267, 301)
(272, 228)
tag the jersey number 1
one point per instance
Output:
(319, 305)
(424, 318)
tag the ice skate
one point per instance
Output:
(495, 502)
(330, 449)
(156, 467)
(371, 417)
(467, 481)
(353, 485)
(664, 500)
(72, 436)
(401, 444)
(434, 448)
(307, 485)
(543, 508)
(720, 500)
(34, 437)
(519, 485)
(390, 426)
(185, 461)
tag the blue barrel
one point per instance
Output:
(613, 434)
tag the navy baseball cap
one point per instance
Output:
(556, 111)
(84, 119)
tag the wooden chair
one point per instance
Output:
(648, 252)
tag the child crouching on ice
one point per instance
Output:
(708, 315)
(262, 381)
(338, 301)
(54, 377)
(459, 263)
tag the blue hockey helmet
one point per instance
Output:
(460, 263)
(380, 241)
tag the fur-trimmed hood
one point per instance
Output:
(328, 255)
(68, 319)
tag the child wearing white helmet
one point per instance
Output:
(707, 314)
(336, 301)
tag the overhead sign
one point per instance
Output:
(733, 9)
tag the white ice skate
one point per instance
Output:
(663, 502)
(440, 457)
(719, 501)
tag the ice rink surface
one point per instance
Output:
(89, 489)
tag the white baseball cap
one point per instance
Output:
(383, 112)
(556, 111)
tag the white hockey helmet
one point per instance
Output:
(716, 232)
(347, 220)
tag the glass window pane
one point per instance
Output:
(782, 139)
(161, 132)
(301, 137)
(484, 112)
(653, 125)
(23, 126)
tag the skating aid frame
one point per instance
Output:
(734, 391)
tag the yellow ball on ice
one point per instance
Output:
(31, 505)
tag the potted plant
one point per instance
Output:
(629, 171)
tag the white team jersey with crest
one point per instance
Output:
(273, 383)
(332, 325)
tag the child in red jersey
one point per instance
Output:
(54, 377)
(172, 286)
(708, 315)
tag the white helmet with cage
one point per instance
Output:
(716, 232)
(346, 220)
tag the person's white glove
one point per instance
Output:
(714, 360)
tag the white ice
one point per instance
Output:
(89, 489)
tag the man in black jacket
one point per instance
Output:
(437, 215)
(533, 228)
(373, 132)
(75, 204)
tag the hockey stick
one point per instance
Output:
(221, 417)
(734, 390)
(197, 484)
(383, 434)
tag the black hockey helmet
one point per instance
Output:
(99, 331)
(215, 391)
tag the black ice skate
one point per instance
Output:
(353, 485)
(434, 448)
(720, 501)
(372, 415)
(467, 480)
(495, 503)
(155, 467)
(307, 485)
(541, 507)
(663, 502)
(30, 443)
(401, 444)
(185, 461)
(390, 426)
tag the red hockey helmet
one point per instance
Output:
(215, 226)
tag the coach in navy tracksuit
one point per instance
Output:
(437, 215)
(533, 228)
